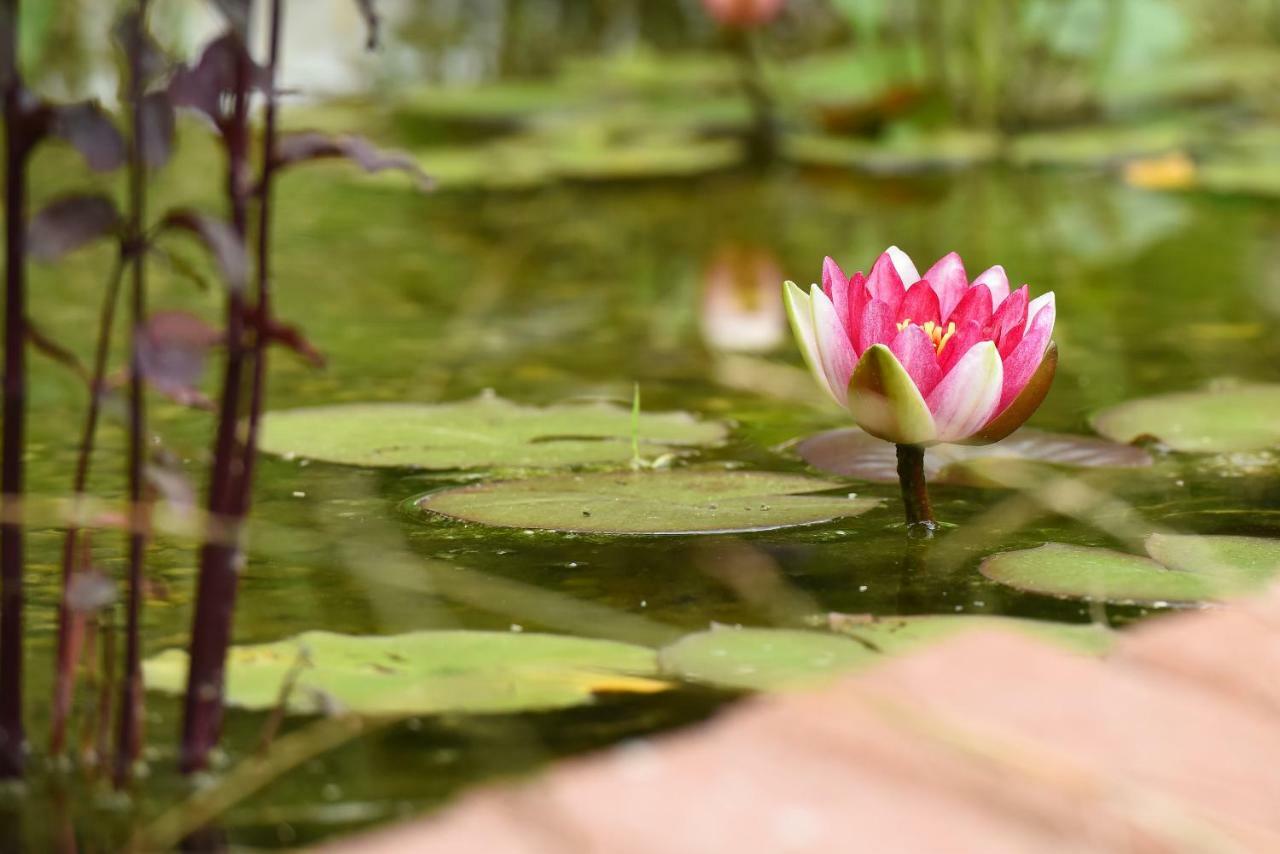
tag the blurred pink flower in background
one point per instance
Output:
(743, 13)
(741, 311)
(920, 360)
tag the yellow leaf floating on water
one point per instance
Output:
(1172, 171)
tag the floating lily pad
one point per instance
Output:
(1243, 562)
(852, 453)
(484, 432)
(772, 659)
(1102, 575)
(685, 501)
(1244, 418)
(422, 672)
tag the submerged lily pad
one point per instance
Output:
(772, 659)
(1100, 575)
(686, 501)
(484, 432)
(1244, 418)
(853, 453)
(422, 672)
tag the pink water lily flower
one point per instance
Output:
(920, 360)
(743, 13)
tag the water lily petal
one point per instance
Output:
(1043, 301)
(949, 281)
(800, 313)
(886, 403)
(904, 265)
(920, 305)
(858, 299)
(834, 348)
(885, 284)
(975, 306)
(836, 286)
(1011, 313)
(968, 395)
(916, 353)
(966, 336)
(1023, 360)
(877, 326)
(1021, 407)
(996, 281)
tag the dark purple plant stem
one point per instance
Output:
(262, 312)
(915, 492)
(12, 737)
(129, 736)
(219, 555)
(70, 627)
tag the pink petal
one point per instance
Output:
(1012, 312)
(974, 306)
(967, 397)
(836, 286)
(958, 344)
(877, 326)
(997, 282)
(917, 354)
(858, 299)
(1024, 358)
(885, 284)
(920, 305)
(1010, 340)
(1042, 301)
(948, 279)
(834, 350)
(904, 265)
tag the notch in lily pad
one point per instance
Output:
(1179, 569)
(850, 452)
(680, 501)
(485, 432)
(1217, 420)
(427, 672)
(766, 659)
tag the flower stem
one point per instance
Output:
(915, 493)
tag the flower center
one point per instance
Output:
(937, 334)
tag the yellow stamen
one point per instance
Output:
(936, 333)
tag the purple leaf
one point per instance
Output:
(134, 40)
(172, 347)
(156, 115)
(89, 129)
(287, 335)
(371, 22)
(48, 347)
(208, 85)
(219, 238)
(70, 222)
(312, 145)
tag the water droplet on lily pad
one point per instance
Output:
(484, 432)
(680, 501)
(773, 659)
(1219, 420)
(852, 453)
(425, 672)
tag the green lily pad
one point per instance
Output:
(484, 432)
(684, 501)
(1244, 418)
(1102, 575)
(852, 453)
(1243, 562)
(779, 659)
(426, 672)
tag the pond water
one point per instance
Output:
(581, 292)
